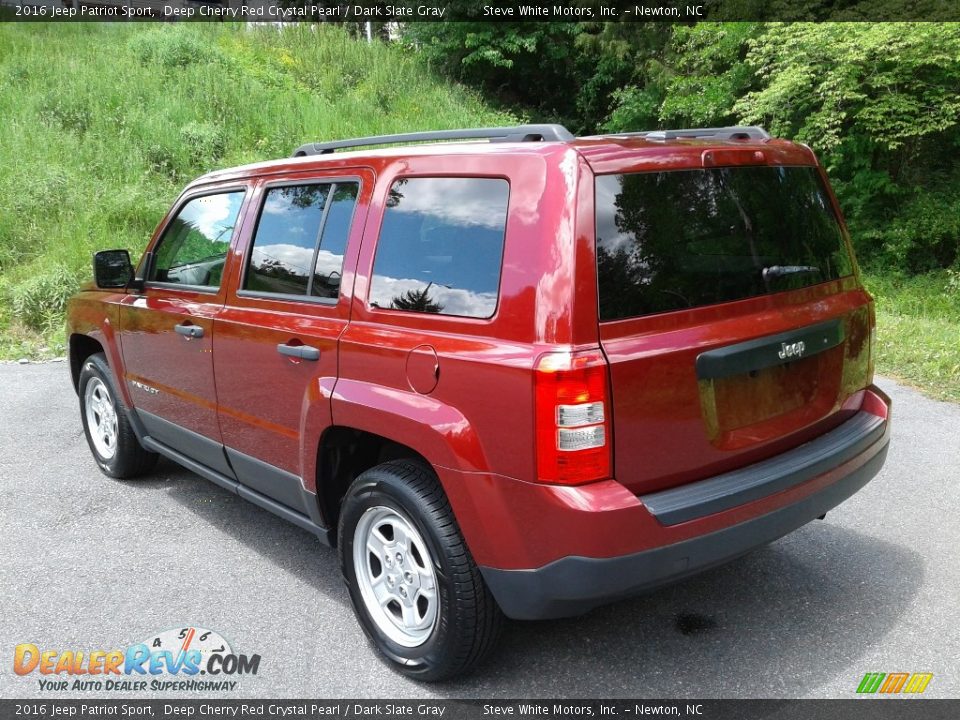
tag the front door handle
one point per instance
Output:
(303, 352)
(189, 330)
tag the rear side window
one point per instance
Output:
(441, 246)
(194, 246)
(685, 238)
(301, 239)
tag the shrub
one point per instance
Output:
(172, 48)
(922, 235)
(39, 302)
(953, 283)
(204, 142)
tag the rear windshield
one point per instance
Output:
(684, 238)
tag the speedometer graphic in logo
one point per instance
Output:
(180, 641)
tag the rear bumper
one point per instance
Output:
(776, 497)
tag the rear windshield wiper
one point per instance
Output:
(777, 271)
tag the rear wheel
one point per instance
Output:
(415, 588)
(111, 438)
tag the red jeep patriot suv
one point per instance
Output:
(519, 377)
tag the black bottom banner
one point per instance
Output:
(859, 709)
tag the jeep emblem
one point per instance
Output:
(791, 350)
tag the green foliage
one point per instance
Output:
(692, 79)
(881, 104)
(621, 70)
(890, 82)
(204, 142)
(39, 301)
(531, 65)
(105, 123)
(69, 113)
(172, 48)
(710, 73)
(918, 329)
(921, 236)
(634, 107)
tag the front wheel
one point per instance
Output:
(415, 588)
(111, 438)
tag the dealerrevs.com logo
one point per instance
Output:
(183, 659)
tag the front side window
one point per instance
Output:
(441, 246)
(686, 238)
(194, 246)
(301, 240)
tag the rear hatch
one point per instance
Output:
(730, 317)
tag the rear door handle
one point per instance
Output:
(303, 352)
(189, 330)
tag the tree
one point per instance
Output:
(881, 105)
(521, 64)
(416, 300)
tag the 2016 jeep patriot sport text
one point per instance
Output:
(525, 376)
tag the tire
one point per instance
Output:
(110, 435)
(426, 638)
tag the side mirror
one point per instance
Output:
(112, 269)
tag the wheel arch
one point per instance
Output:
(92, 327)
(80, 348)
(343, 454)
(373, 424)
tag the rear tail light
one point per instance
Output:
(572, 416)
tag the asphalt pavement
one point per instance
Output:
(90, 563)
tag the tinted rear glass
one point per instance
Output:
(680, 239)
(441, 246)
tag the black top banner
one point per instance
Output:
(675, 11)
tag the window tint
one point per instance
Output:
(286, 237)
(441, 246)
(680, 239)
(285, 258)
(333, 245)
(194, 247)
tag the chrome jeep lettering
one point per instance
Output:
(791, 350)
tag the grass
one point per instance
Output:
(918, 330)
(104, 125)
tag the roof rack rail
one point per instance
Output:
(736, 132)
(519, 133)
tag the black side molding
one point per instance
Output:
(769, 350)
(188, 443)
(262, 484)
(325, 535)
(278, 485)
